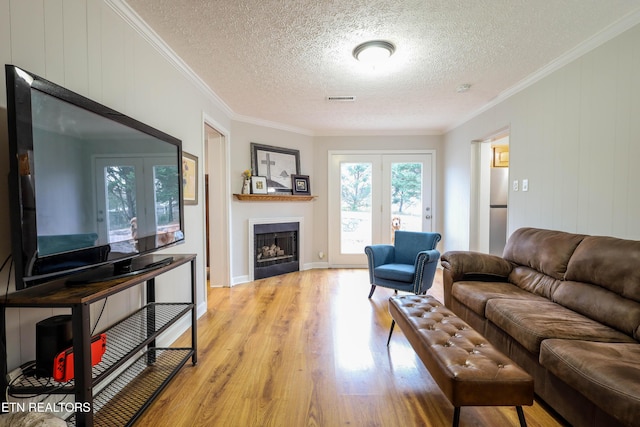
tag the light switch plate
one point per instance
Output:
(525, 185)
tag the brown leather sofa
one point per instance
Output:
(566, 308)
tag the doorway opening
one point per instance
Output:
(490, 190)
(216, 207)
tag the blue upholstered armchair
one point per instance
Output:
(408, 265)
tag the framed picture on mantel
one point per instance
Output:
(276, 164)
(258, 185)
(300, 184)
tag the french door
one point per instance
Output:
(372, 196)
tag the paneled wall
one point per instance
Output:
(87, 47)
(575, 135)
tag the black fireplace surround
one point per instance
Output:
(275, 249)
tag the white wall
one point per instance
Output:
(85, 46)
(575, 135)
(313, 158)
(243, 135)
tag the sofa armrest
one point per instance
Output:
(466, 265)
(461, 264)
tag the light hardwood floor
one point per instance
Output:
(309, 349)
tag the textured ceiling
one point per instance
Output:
(278, 60)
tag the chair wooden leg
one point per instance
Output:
(373, 288)
(393, 324)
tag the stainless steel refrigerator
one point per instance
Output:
(498, 196)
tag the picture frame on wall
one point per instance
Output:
(276, 164)
(189, 178)
(300, 184)
(259, 185)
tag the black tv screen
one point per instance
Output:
(89, 186)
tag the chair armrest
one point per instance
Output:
(424, 257)
(380, 254)
(425, 266)
(466, 263)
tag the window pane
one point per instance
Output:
(406, 197)
(120, 182)
(355, 207)
(166, 196)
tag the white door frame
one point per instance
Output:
(218, 160)
(479, 194)
(332, 237)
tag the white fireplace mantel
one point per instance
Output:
(275, 220)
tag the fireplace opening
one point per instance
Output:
(275, 249)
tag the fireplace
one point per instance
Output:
(275, 248)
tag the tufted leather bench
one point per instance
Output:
(466, 367)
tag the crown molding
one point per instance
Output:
(380, 132)
(608, 33)
(136, 22)
(270, 124)
(141, 27)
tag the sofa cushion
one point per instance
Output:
(475, 295)
(605, 373)
(533, 281)
(399, 272)
(464, 264)
(547, 251)
(600, 304)
(608, 262)
(530, 321)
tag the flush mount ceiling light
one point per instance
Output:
(374, 51)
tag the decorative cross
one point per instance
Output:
(268, 162)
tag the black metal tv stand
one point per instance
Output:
(133, 370)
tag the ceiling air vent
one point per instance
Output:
(341, 98)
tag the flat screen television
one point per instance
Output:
(91, 190)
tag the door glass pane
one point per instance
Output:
(406, 197)
(120, 186)
(355, 207)
(166, 197)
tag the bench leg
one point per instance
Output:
(393, 323)
(456, 416)
(523, 422)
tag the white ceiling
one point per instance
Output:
(277, 60)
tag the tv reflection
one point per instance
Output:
(165, 235)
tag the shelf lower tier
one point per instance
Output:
(123, 400)
(124, 339)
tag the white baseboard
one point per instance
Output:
(239, 280)
(318, 265)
